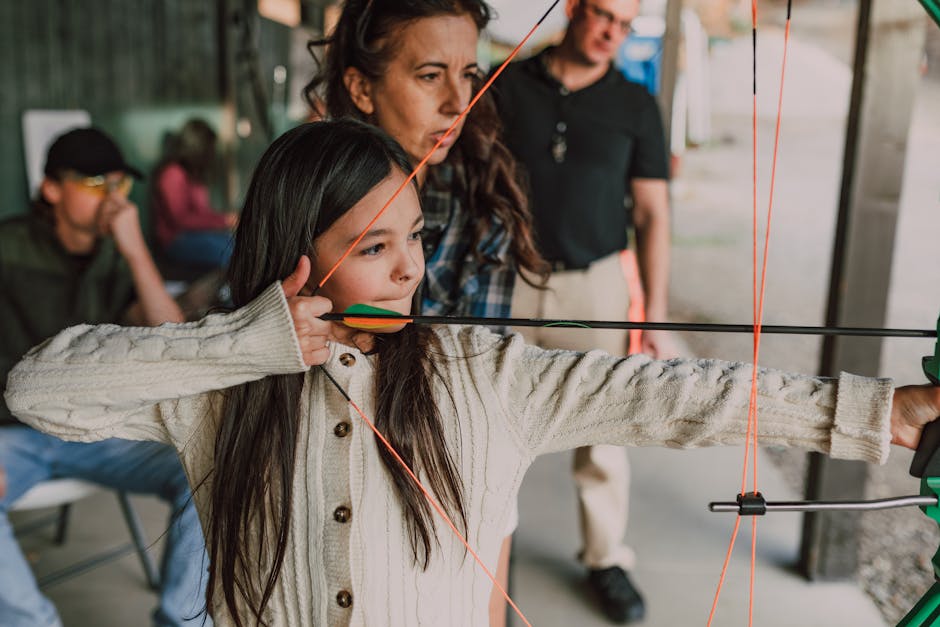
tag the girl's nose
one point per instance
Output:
(407, 268)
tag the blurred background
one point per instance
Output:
(140, 69)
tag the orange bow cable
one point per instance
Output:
(758, 304)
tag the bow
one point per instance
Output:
(364, 317)
(925, 465)
(927, 459)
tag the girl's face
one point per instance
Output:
(386, 267)
(427, 83)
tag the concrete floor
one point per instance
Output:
(112, 595)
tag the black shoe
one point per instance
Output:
(619, 599)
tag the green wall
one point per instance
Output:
(139, 67)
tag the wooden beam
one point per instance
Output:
(225, 74)
(670, 65)
(889, 45)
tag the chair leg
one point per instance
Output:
(62, 524)
(133, 524)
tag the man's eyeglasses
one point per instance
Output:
(102, 185)
(607, 17)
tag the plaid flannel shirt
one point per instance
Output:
(458, 282)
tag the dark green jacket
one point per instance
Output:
(44, 289)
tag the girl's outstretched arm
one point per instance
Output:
(560, 400)
(94, 382)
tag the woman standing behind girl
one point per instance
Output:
(309, 518)
(189, 230)
(410, 68)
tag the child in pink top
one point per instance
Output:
(189, 230)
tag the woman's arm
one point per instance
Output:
(90, 382)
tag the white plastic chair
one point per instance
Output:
(40, 128)
(61, 493)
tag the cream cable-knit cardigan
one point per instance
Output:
(513, 402)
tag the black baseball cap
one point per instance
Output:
(87, 151)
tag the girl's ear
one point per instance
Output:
(51, 191)
(360, 90)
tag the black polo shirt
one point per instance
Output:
(580, 150)
(44, 289)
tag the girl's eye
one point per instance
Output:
(415, 237)
(373, 250)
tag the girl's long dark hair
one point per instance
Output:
(487, 176)
(306, 180)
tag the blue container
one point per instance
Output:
(640, 60)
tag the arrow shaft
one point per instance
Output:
(644, 326)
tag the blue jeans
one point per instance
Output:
(201, 249)
(29, 456)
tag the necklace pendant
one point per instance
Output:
(559, 148)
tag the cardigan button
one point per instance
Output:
(347, 359)
(342, 514)
(341, 430)
(343, 599)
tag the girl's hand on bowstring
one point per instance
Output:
(312, 333)
(913, 408)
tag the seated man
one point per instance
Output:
(79, 257)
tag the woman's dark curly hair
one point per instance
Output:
(487, 178)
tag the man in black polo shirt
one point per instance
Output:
(591, 142)
(79, 257)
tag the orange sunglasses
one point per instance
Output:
(101, 185)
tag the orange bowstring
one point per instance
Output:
(349, 250)
(758, 303)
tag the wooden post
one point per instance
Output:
(670, 65)
(889, 45)
(228, 139)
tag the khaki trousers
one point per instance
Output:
(601, 473)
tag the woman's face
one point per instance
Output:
(386, 267)
(427, 83)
